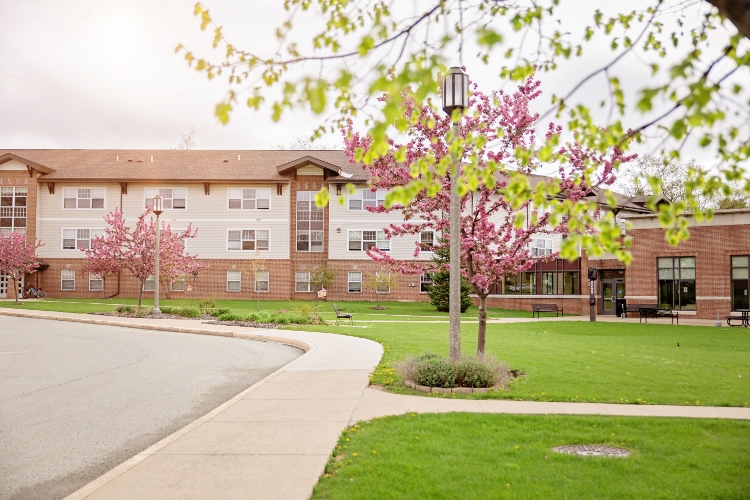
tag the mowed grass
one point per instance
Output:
(459, 455)
(398, 311)
(582, 361)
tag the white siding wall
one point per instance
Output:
(209, 214)
(12, 165)
(340, 217)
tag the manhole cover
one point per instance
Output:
(592, 450)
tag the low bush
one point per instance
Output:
(124, 309)
(231, 317)
(188, 312)
(260, 317)
(169, 309)
(206, 305)
(435, 372)
(474, 372)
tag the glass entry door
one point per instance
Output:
(611, 289)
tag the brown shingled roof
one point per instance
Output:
(192, 165)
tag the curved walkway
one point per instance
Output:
(273, 439)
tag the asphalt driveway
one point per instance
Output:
(78, 399)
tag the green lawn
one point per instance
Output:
(460, 455)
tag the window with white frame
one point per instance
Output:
(67, 279)
(540, 246)
(96, 283)
(173, 198)
(13, 209)
(425, 282)
(178, 285)
(355, 282)
(364, 240)
(149, 285)
(302, 281)
(73, 239)
(310, 223)
(248, 239)
(249, 199)
(382, 282)
(363, 198)
(83, 198)
(426, 240)
(261, 281)
(234, 281)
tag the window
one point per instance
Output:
(234, 281)
(83, 198)
(310, 223)
(173, 198)
(355, 282)
(382, 282)
(520, 283)
(363, 198)
(302, 281)
(96, 283)
(676, 283)
(80, 238)
(364, 240)
(261, 281)
(425, 282)
(249, 199)
(560, 282)
(426, 240)
(67, 279)
(540, 247)
(178, 285)
(248, 239)
(740, 281)
(148, 285)
(13, 209)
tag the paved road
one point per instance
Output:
(78, 399)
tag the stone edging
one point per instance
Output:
(442, 390)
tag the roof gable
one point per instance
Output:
(5, 158)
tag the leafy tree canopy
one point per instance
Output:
(690, 58)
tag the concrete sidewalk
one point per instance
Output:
(273, 439)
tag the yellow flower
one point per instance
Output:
(374, 452)
(354, 454)
(347, 440)
(517, 447)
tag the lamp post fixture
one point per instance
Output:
(455, 97)
(158, 208)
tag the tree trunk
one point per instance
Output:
(737, 11)
(15, 287)
(482, 332)
(140, 295)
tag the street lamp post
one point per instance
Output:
(455, 96)
(158, 209)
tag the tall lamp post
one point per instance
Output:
(455, 96)
(158, 209)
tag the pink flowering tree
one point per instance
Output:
(498, 219)
(17, 259)
(135, 250)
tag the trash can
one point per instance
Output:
(620, 307)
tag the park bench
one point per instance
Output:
(550, 308)
(340, 315)
(636, 308)
(655, 312)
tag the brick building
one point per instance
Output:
(259, 205)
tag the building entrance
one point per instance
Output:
(6, 287)
(613, 292)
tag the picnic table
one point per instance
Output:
(744, 318)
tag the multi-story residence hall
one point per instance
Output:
(259, 205)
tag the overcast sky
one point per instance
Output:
(103, 74)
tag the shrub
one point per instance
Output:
(230, 317)
(169, 309)
(435, 372)
(206, 305)
(188, 312)
(439, 292)
(473, 372)
(124, 309)
(142, 311)
(260, 317)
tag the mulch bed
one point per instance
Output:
(205, 319)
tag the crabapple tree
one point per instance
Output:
(496, 227)
(17, 259)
